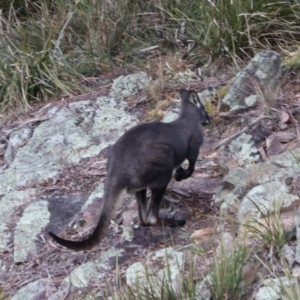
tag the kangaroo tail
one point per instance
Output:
(108, 204)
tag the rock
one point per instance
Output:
(243, 150)
(125, 86)
(261, 76)
(296, 272)
(170, 117)
(226, 245)
(205, 238)
(265, 198)
(130, 217)
(39, 289)
(203, 234)
(249, 272)
(162, 268)
(80, 130)
(272, 289)
(197, 185)
(274, 147)
(17, 139)
(297, 257)
(127, 234)
(238, 182)
(289, 254)
(9, 204)
(202, 289)
(285, 136)
(35, 217)
(87, 274)
(283, 126)
(284, 117)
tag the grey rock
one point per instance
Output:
(272, 289)
(97, 193)
(261, 76)
(206, 95)
(125, 86)
(265, 198)
(35, 217)
(163, 268)
(170, 117)
(17, 139)
(238, 182)
(127, 234)
(87, 274)
(289, 254)
(243, 150)
(39, 289)
(74, 133)
(297, 257)
(8, 205)
(202, 289)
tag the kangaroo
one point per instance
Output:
(145, 157)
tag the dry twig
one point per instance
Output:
(233, 136)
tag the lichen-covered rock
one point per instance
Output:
(39, 289)
(202, 288)
(261, 76)
(87, 274)
(162, 268)
(9, 203)
(82, 130)
(243, 150)
(265, 198)
(238, 182)
(273, 288)
(17, 139)
(297, 257)
(125, 86)
(35, 217)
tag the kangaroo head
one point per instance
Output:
(193, 98)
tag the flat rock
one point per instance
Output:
(125, 86)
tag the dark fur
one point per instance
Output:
(145, 157)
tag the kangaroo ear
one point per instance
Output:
(184, 94)
(194, 99)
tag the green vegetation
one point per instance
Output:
(47, 47)
(226, 276)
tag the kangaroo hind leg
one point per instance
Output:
(152, 217)
(141, 197)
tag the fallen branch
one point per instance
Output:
(233, 136)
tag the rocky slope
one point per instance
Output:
(52, 171)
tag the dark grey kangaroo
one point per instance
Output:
(145, 157)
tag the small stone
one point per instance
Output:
(274, 146)
(285, 136)
(289, 254)
(225, 245)
(283, 126)
(285, 117)
(289, 180)
(203, 234)
(130, 216)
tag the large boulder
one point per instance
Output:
(261, 77)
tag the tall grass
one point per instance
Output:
(232, 27)
(46, 46)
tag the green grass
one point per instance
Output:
(47, 46)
